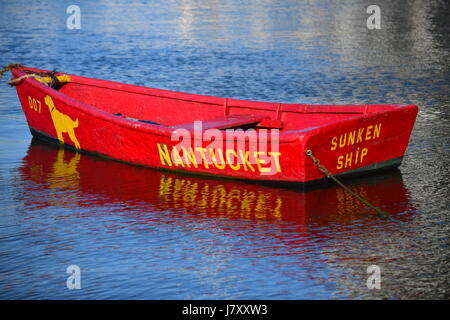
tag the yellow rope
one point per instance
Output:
(30, 75)
(41, 78)
(380, 213)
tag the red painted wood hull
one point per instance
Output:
(346, 139)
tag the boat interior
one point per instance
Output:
(180, 110)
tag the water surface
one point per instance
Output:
(137, 233)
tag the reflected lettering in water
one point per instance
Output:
(74, 176)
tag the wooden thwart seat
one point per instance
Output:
(224, 122)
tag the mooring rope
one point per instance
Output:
(30, 75)
(48, 78)
(380, 213)
(7, 68)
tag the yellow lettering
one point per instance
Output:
(222, 160)
(364, 152)
(356, 156)
(260, 161)
(189, 157)
(334, 143)
(164, 154)
(369, 132)
(340, 163)
(276, 156)
(244, 160)
(376, 131)
(359, 138)
(231, 161)
(348, 160)
(177, 160)
(342, 141)
(34, 104)
(351, 138)
(204, 160)
(165, 184)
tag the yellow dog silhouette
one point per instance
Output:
(62, 122)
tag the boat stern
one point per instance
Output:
(370, 142)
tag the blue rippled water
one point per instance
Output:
(137, 233)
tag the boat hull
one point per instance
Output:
(374, 139)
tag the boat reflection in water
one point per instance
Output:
(72, 179)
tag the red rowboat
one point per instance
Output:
(210, 135)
